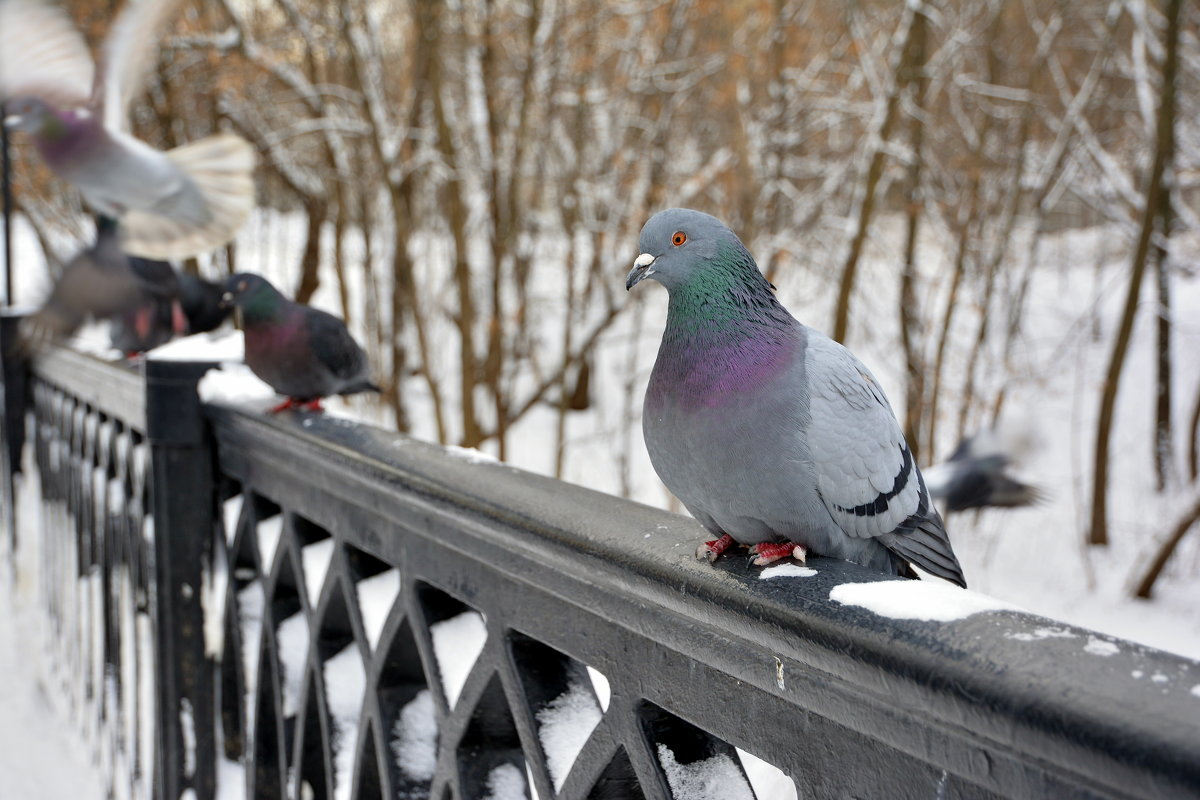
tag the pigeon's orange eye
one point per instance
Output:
(679, 238)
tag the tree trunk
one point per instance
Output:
(1098, 533)
(1146, 584)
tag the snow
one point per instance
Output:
(315, 559)
(768, 781)
(251, 602)
(1040, 633)
(506, 782)
(231, 512)
(470, 454)
(376, 595)
(233, 382)
(714, 778)
(187, 726)
(292, 638)
(269, 532)
(1196, 690)
(1101, 647)
(786, 571)
(600, 685)
(223, 344)
(457, 642)
(564, 727)
(922, 600)
(345, 682)
(414, 737)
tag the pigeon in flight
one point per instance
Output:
(171, 205)
(976, 476)
(301, 352)
(769, 432)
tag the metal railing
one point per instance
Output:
(341, 612)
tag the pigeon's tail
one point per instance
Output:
(222, 169)
(922, 541)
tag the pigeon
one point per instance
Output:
(769, 432)
(303, 353)
(975, 476)
(202, 302)
(98, 283)
(158, 316)
(174, 204)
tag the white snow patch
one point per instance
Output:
(414, 737)
(1101, 647)
(214, 581)
(1137, 674)
(224, 344)
(457, 642)
(768, 781)
(234, 383)
(1158, 677)
(923, 600)
(268, 533)
(345, 680)
(565, 725)
(471, 454)
(506, 782)
(376, 595)
(292, 638)
(1196, 690)
(187, 725)
(716, 778)
(1040, 633)
(231, 511)
(786, 571)
(250, 603)
(315, 558)
(600, 684)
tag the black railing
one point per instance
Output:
(387, 619)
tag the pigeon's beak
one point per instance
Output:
(643, 267)
(13, 121)
(226, 300)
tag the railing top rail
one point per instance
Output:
(116, 390)
(1115, 715)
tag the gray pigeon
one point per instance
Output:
(976, 476)
(769, 432)
(174, 204)
(300, 352)
(101, 282)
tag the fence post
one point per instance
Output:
(184, 508)
(14, 371)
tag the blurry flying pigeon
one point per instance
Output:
(300, 352)
(158, 316)
(173, 204)
(975, 476)
(769, 432)
(98, 283)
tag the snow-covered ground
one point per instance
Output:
(1031, 558)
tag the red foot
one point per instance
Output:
(291, 402)
(767, 552)
(710, 550)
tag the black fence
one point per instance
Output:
(332, 611)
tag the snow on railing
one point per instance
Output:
(340, 612)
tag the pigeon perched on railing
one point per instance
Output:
(976, 476)
(301, 352)
(173, 204)
(98, 283)
(769, 432)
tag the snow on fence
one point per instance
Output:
(341, 612)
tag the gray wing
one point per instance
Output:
(335, 349)
(866, 475)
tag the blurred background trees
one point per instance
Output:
(470, 177)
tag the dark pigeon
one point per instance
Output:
(172, 204)
(157, 318)
(769, 432)
(98, 283)
(977, 476)
(300, 352)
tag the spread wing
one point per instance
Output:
(43, 55)
(130, 52)
(866, 474)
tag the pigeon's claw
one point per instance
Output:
(767, 552)
(711, 550)
(299, 405)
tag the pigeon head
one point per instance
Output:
(253, 295)
(684, 248)
(34, 115)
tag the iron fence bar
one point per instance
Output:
(14, 371)
(183, 507)
(6, 193)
